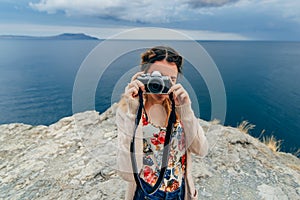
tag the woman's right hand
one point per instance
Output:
(132, 89)
(131, 93)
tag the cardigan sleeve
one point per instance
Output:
(125, 120)
(196, 141)
(125, 124)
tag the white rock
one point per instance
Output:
(64, 160)
(271, 193)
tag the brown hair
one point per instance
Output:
(159, 53)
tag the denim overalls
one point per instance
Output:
(159, 195)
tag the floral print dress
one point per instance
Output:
(153, 144)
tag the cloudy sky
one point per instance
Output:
(200, 19)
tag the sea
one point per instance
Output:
(260, 78)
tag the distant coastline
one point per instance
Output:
(83, 36)
(63, 36)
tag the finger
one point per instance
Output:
(140, 84)
(133, 92)
(137, 84)
(134, 84)
(136, 75)
(178, 85)
(172, 89)
(183, 96)
(175, 87)
(130, 87)
(179, 92)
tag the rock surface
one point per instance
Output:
(75, 159)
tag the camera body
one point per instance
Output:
(155, 83)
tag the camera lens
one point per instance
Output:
(155, 85)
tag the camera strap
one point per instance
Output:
(171, 121)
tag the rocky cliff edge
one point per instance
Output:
(75, 159)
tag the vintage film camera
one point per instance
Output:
(155, 83)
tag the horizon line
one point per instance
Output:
(91, 37)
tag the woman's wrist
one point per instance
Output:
(132, 105)
(184, 110)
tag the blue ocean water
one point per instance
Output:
(260, 78)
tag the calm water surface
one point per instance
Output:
(261, 81)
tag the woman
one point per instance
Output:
(187, 136)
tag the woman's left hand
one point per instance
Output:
(180, 95)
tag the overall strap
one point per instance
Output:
(171, 121)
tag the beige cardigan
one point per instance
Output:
(195, 142)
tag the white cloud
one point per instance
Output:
(164, 11)
(287, 9)
(134, 10)
(210, 3)
(153, 11)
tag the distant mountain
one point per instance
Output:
(64, 36)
